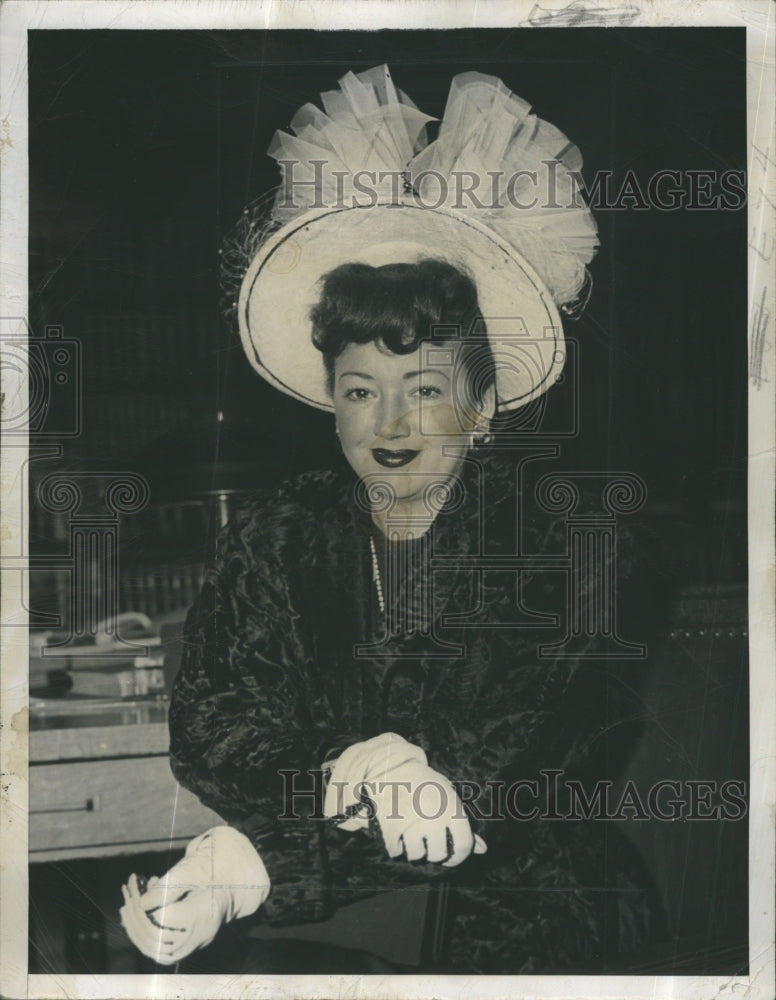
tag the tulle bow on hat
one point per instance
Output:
(497, 193)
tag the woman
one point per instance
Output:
(366, 626)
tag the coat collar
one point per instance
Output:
(458, 530)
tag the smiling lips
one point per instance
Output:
(393, 459)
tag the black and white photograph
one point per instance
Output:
(387, 600)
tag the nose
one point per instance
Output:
(392, 422)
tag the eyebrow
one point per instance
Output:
(407, 375)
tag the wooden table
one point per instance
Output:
(101, 785)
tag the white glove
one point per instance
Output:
(417, 808)
(220, 877)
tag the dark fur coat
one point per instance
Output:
(288, 659)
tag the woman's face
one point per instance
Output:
(397, 418)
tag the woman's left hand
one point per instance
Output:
(418, 810)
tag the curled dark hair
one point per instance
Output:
(398, 306)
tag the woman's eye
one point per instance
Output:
(428, 391)
(357, 394)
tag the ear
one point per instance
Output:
(487, 408)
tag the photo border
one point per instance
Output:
(759, 18)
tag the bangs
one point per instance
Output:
(399, 305)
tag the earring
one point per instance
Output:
(481, 436)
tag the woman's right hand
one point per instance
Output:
(167, 923)
(221, 877)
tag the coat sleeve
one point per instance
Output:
(241, 733)
(525, 713)
(580, 716)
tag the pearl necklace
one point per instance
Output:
(376, 574)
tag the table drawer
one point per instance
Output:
(108, 804)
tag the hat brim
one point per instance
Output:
(282, 285)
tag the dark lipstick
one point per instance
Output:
(393, 458)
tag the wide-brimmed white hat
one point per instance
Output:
(497, 194)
